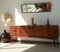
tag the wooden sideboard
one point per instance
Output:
(36, 31)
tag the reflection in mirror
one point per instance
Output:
(38, 7)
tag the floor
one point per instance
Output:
(28, 47)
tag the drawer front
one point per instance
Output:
(12, 30)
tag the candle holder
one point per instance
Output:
(48, 23)
(32, 19)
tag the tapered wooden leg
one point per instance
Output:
(57, 41)
(54, 42)
(11, 40)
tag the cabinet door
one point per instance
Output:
(54, 31)
(38, 31)
(32, 32)
(27, 31)
(18, 31)
(44, 32)
(24, 31)
(12, 31)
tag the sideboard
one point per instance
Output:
(35, 31)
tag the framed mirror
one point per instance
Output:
(36, 7)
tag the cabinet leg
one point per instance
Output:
(11, 40)
(57, 41)
(54, 42)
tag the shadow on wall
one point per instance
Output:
(19, 20)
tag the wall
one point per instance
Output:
(40, 18)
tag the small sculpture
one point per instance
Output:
(48, 23)
(5, 37)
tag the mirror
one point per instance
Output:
(37, 7)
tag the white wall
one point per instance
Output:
(40, 18)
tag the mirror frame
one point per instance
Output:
(45, 6)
